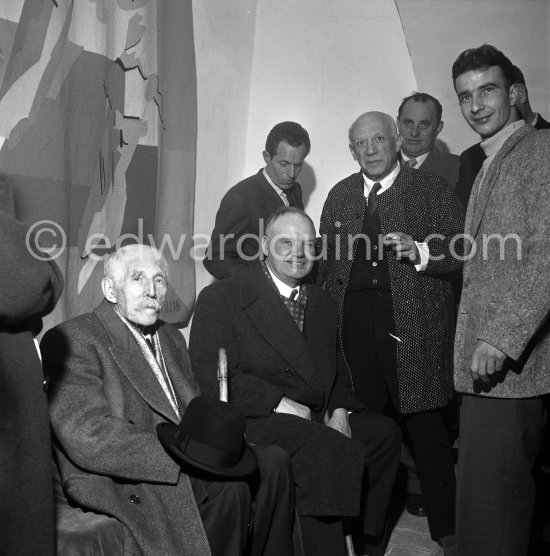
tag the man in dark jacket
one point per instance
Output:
(29, 288)
(280, 337)
(240, 220)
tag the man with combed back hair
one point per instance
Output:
(502, 347)
(280, 335)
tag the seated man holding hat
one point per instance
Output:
(135, 440)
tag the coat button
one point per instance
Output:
(288, 372)
(131, 422)
(46, 383)
(135, 499)
(339, 281)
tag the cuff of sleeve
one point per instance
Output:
(424, 252)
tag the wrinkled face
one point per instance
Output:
(139, 289)
(486, 100)
(374, 144)
(285, 166)
(418, 127)
(289, 245)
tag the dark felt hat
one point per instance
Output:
(210, 437)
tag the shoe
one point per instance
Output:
(416, 505)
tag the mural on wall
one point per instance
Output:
(98, 135)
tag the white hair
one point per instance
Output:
(114, 265)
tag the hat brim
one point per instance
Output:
(246, 466)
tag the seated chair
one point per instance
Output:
(84, 532)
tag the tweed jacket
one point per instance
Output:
(105, 403)
(241, 212)
(505, 300)
(443, 164)
(29, 289)
(422, 205)
(268, 358)
(470, 164)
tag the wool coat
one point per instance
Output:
(29, 289)
(424, 206)
(505, 299)
(268, 358)
(105, 403)
(242, 214)
(470, 164)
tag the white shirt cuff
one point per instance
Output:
(424, 252)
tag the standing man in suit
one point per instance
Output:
(502, 348)
(280, 337)
(116, 374)
(419, 123)
(388, 233)
(29, 288)
(472, 158)
(240, 220)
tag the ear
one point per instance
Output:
(439, 128)
(265, 245)
(398, 142)
(521, 93)
(267, 158)
(514, 94)
(108, 290)
(352, 152)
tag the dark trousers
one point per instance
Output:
(253, 517)
(371, 353)
(499, 441)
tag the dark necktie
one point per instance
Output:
(371, 199)
(152, 346)
(294, 293)
(411, 162)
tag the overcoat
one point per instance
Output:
(29, 289)
(268, 358)
(505, 299)
(240, 215)
(424, 206)
(443, 164)
(105, 403)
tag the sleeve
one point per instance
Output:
(214, 327)
(91, 431)
(232, 221)
(30, 287)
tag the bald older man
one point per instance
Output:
(388, 249)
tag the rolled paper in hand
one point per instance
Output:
(222, 375)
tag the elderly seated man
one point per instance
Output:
(119, 373)
(281, 342)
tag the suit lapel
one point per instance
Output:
(177, 371)
(480, 203)
(271, 318)
(131, 362)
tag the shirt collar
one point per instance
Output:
(270, 181)
(386, 182)
(283, 288)
(419, 159)
(493, 144)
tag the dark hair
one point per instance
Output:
(281, 212)
(422, 97)
(518, 76)
(483, 57)
(289, 132)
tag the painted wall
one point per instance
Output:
(324, 62)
